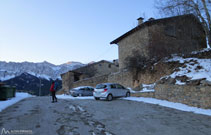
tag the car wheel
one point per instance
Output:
(80, 95)
(96, 98)
(128, 94)
(109, 97)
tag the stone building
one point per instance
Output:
(161, 37)
(91, 70)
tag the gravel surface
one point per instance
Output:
(90, 117)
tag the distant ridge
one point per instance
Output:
(9, 70)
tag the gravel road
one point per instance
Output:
(38, 116)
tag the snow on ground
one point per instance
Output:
(194, 68)
(148, 87)
(178, 82)
(71, 97)
(9, 102)
(145, 88)
(173, 105)
(203, 50)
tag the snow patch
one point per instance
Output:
(178, 82)
(7, 77)
(193, 68)
(173, 105)
(148, 87)
(73, 98)
(203, 50)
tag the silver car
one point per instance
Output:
(109, 91)
(82, 91)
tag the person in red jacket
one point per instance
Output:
(53, 92)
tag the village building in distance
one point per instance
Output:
(91, 70)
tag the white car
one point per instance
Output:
(110, 91)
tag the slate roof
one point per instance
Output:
(152, 22)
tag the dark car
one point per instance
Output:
(82, 91)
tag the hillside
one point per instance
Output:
(190, 69)
(194, 69)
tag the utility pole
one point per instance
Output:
(40, 87)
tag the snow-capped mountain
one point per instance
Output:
(44, 69)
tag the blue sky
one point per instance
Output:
(59, 31)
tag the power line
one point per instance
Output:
(102, 54)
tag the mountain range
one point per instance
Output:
(34, 78)
(9, 70)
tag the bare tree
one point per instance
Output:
(200, 8)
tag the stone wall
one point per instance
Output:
(144, 94)
(153, 74)
(97, 69)
(67, 79)
(137, 41)
(181, 35)
(198, 96)
(124, 78)
(93, 81)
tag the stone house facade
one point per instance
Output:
(100, 68)
(157, 38)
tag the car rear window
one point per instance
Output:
(101, 86)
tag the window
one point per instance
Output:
(109, 65)
(119, 86)
(101, 86)
(113, 86)
(76, 78)
(82, 89)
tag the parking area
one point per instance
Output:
(88, 116)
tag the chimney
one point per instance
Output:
(151, 19)
(140, 20)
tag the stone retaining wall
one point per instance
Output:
(124, 78)
(198, 96)
(93, 81)
(144, 94)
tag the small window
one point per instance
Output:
(109, 65)
(100, 65)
